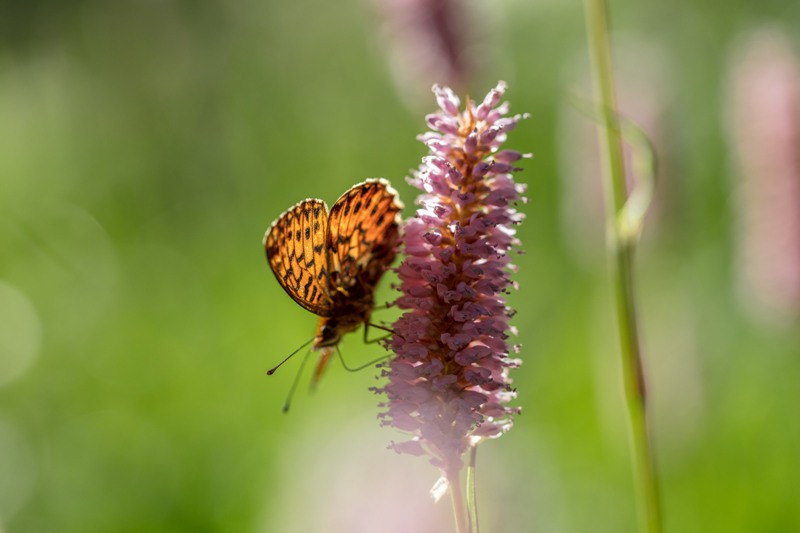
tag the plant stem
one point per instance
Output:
(472, 493)
(459, 513)
(621, 250)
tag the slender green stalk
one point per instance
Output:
(621, 250)
(472, 494)
(459, 513)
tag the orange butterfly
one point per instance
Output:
(331, 263)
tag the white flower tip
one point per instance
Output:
(447, 99)
(439, 489)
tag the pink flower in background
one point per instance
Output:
(448, 386)
(426, 42)
(764, 112)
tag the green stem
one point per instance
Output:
(459, 513)
(621, 250)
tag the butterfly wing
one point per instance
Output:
(296, 252)
(363, 232)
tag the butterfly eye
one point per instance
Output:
(328, 336)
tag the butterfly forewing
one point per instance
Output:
(363, 232)
(296, 251)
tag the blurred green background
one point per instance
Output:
(145, 146)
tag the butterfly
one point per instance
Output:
(330, 263)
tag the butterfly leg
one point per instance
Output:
(362, 367)
(367, 325)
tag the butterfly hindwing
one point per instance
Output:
(296, 251)
(363, 231)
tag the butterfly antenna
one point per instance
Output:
(362, 367)
(289, 396)
(276, 367)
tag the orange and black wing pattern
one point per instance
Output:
(296, 250)
(363, 232)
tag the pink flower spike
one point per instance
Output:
(448, 385)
